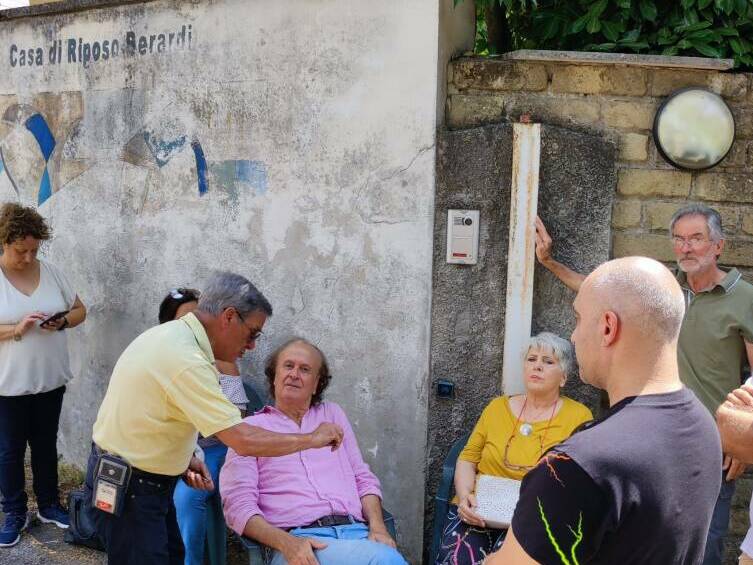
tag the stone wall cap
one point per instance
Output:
(589, 58)
(62, 7)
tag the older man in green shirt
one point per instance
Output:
(716, 338)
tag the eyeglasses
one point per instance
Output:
(253, 334)
(693, 241)
(512, 466)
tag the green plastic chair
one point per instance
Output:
(443, 497)
(216, 540)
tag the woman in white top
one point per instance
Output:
(34, 367)
(190, 503)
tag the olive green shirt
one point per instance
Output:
(711, 350)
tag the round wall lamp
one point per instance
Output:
(694, 129)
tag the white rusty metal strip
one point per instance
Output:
(521, 253)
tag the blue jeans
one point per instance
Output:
(719, 524)
(346, 545)
(191, 506)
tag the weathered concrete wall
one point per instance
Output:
(290, 141)
(474, 165)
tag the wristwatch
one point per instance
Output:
(17, 336)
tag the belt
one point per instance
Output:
(332, 520)
(136, 472)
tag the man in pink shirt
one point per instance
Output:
(316, 506)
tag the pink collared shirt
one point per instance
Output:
(296, 489)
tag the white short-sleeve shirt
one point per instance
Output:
(39, 362)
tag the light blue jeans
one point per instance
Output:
(346, 545)
(191, 506)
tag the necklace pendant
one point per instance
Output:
(526, 429)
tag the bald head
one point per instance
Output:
(642, 292)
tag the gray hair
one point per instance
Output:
(562, 349)
(713, 219)
(228, 290)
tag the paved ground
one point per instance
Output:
(42, 544)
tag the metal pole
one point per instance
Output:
(521, 253)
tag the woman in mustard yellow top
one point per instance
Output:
(508, 440)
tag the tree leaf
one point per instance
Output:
(611, 30)
(737, 46)
(594, 25)
(725, 6)
(665, 37)
(648, 10)
(624, 4)
(635, 45)
(601, 46)
(549, 27)
(703, 35)
(671, 51)
(703, 4)
(579, 24)
(597, 9)
(687, 4)
(727, 31)
(692, 27)
(632, 35)
(707, 49)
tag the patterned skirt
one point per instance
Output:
(463, 544)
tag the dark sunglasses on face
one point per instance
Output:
(252, 334)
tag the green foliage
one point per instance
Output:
(707, 28)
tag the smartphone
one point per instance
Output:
(54, 317)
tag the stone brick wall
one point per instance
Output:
(619, 102)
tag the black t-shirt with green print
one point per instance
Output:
(637, 485)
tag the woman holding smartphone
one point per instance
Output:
(37, 302)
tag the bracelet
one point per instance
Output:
(65, 324)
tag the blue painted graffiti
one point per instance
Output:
(201, 167)
(37, 125)
(239, 176)
(45, 187)
(253, 173)
(231, 175)
(163, 150)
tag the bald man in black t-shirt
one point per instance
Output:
(639, 484)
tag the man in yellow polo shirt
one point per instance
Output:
(165, 388)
